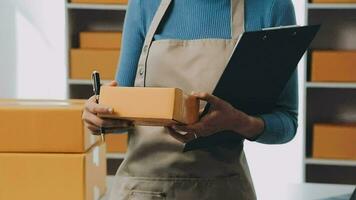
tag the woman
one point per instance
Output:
(185, 44)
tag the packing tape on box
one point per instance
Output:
(92, 139)
(96, 193)
(96, 156)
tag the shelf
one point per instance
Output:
(330, 162)
(81, 6)
(331, 6)
(84, 82)
(115, 155)
(331, 85)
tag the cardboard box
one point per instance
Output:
(53, 176)
(43, 126)
(334, 141)
(100, 40)
(334, 66)
(150, 106)
(333, 1)
(116, 143)
(101, 1)
(84, 61)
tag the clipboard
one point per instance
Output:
(256, 74)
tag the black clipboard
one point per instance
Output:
(256, 74)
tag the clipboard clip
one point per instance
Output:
(280, 27)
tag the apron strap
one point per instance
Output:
(237, 18)
(161, 11)
(237, 28)
(141, 68)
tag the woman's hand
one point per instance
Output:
(95, 123)
(222, 116)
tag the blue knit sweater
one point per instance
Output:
(197, 19)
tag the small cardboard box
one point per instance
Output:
(334, 66)
(116, 143)
(334, 141)
(100, 40)
(84, 61)
(53, 176)
(150, 106)
(101, 1)
(43, 126)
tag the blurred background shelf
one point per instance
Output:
(84, 82)
(330, 162)
(96, 6)
(331, 103)
(115, 155)
(94, 18)
(331, 6)
(330, 85)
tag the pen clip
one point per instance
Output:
(96, 84)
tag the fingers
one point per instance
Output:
(112, 84)
(95, 108)
(184, 138)
(117, 126)
(117, 130)
(93, 128)
(105, 123)
(198, 128)
(207, 97)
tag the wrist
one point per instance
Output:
(249, 126)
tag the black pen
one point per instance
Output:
(96, 90)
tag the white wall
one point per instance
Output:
(32, 50)
(272, 166)
(7, 51)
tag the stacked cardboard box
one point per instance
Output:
(116, 143)
(334, 66)
(97, 51)
(334, 141)
(45, 153)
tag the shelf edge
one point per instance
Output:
(330, 162)
(81, 6)
(347, 6)
(115, 155)
(330, 85)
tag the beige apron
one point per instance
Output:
(155, 166)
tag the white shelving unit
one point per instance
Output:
(115, 155)
(96, 6)
(331, 85)
(91, 17)
(325, 100)
(84, 82)
(88, 17)
(331, 6)
(331, 162)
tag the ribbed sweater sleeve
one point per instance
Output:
(132, 42)
(281, 125)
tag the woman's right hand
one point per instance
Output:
(95, 123)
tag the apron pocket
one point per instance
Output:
(146, 195)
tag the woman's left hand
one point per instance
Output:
(222, 116)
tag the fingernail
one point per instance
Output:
(110, 110)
